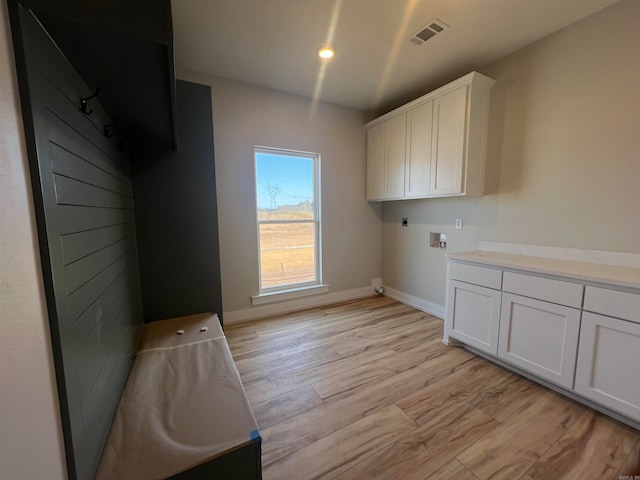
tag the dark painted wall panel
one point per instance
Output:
(74, 218)
(177, 218)
(74, 192)
(80, 272)
(86, 295)
(69, 165)
(88, 250)
(78, 245)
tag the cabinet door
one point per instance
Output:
(540, 337)
(375, 162)
(395, 145)
(418, 165)
(608, 363)
(473, 315)
(448, 149)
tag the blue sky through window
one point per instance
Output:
(283, 180)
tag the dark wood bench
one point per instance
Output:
(184, 413)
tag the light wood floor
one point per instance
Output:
(365, 390)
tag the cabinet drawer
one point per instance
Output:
(486, 277)
(554, 291)
(613, 303)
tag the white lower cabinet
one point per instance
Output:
(582, 338)
(608, 363)
(475, 315)
(539, 337)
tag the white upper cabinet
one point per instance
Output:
(432, 147)
(447, 159)
(418, 160)
(375, 162)
(385, 159)
(395, 156)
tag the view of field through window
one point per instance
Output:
(287, 219)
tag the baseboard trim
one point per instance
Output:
(416, 302)
(248, 314)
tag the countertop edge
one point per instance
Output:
(623, 277)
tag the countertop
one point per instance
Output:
(585, 271)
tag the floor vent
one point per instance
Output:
(425, 33)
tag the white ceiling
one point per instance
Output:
(272, 43)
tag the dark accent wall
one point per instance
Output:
(125, 47)
(84, 195)
(86, 231)
(176, 215)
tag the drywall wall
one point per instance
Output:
(563, 156)
(244, 116)
(31, 441)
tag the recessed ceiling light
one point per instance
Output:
(326, 52)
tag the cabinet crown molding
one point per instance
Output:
(473, 79)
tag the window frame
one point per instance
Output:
(280, 292)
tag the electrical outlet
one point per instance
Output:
(405, 222)
(458, 224)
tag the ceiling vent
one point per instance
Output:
(425, 33)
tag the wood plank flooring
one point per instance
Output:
(366, 390)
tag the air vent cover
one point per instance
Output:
(425, 33)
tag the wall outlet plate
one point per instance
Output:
(458, 224)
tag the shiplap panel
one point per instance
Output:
(90, 128)
(118, 336)
(95, 349)
(83, 297)
(78, 245)
(74, 218)
(80, 272)
(70, 165)
(84, 213)
(104, 157)
(90, 318)
(74, 192)
(107, 389)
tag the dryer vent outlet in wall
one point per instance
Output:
(425, 33)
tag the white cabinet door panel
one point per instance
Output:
(539, 337)
(418, 168)
(609, 363)
(395, 149)
(474, 315)
(375, 162)
(449, 130)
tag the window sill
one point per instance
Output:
(288, 294)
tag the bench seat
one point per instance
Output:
(183, 413)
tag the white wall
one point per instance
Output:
(31, 444)
(563, 164)
(244, 116)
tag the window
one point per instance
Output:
(288, 212)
